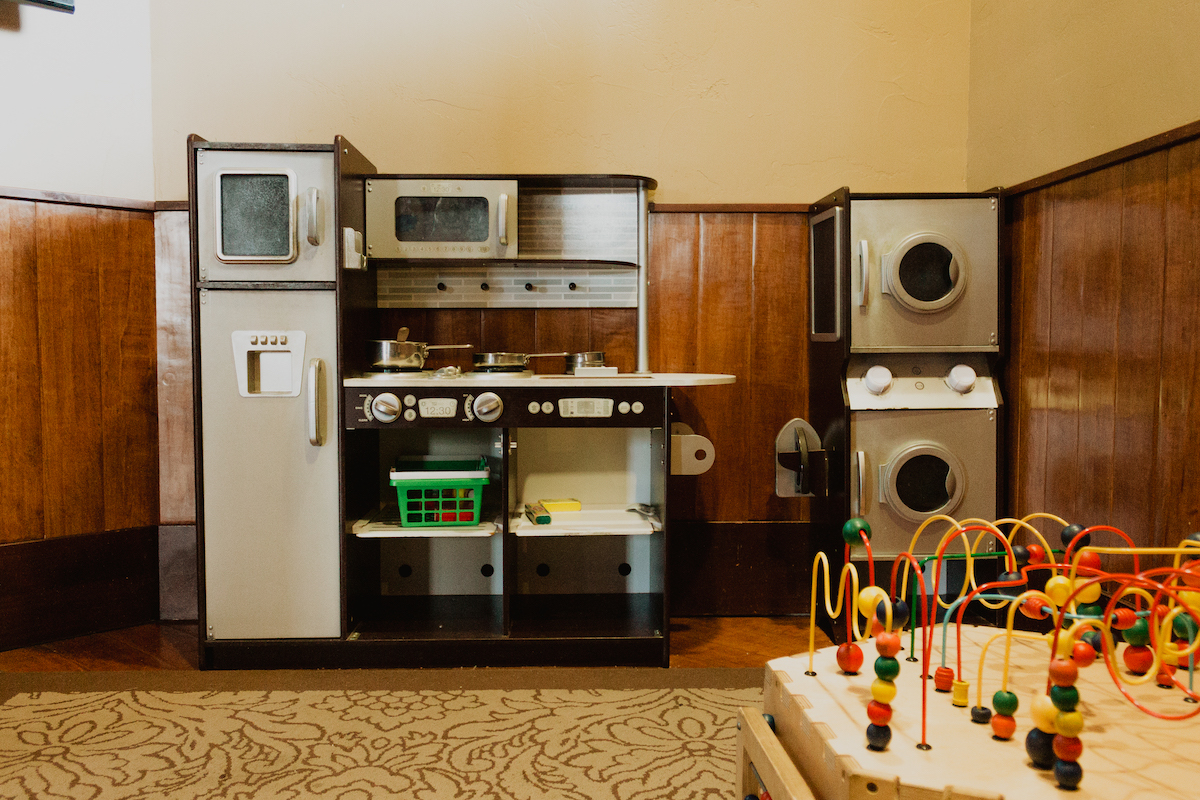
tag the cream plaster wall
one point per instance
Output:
(76, 99)
(1056, 83)
(719, 100)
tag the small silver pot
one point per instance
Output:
(507, 362)
(401, 354)
(592, 358)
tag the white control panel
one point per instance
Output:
(585, 407)
(892, 381)
(437, 407)
(268, 363)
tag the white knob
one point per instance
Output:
(488, 407)
(386, 407)
(961, 378)
(878, 379)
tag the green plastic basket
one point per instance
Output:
(439, 492)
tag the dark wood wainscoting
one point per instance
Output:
(1105, 348)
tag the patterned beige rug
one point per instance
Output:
(632, 734)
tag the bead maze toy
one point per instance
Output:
(1109, 663)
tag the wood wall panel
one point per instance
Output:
(21, 495)
(176, 416)
(1105, 350)
(128, 369)
(69, 330)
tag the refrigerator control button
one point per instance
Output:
(638, 407)
(410, 414)
(623, 407)
(534, 407)
(253, 340)
(410, 400)
(488, 406)
(547, 407)
(283, 340)
(878, 379)
(386, 407)
(961, 378)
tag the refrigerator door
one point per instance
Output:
(265, 215)
(269, 463)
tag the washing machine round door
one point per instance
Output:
(923, 480)
(926, 272)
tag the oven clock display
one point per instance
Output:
(437, 407)
(586, 407)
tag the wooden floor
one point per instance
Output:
(695, 642)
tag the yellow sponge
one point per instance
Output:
(567, 504)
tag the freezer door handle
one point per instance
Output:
(316, 411)
(860, 477)
(314, 216)
(864, 272)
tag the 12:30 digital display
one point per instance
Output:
(437, 407)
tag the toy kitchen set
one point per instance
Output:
(369, 499)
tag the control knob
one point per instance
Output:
(488, 407)
(386, 407)
(961, 378)
(878, 379)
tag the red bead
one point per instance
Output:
(849, 657)
(1034, 608)
(1083, 654)
(1124, 618)
(888, 644)
(1165, 676)
(1191, 574)
(1090, 560)
(1037, 553)
(1003, 726)
(943, 679)
(1139, 658)
(879, 713)
(1068, 748)
(1063, 672)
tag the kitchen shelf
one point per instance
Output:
(385, 524)
(590, 522)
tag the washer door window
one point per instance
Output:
(922, 480)
(926, 273)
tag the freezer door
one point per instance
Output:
(269, 462)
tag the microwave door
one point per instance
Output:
(265, 216)
(270, 515)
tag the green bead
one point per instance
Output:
(1005, 703)
(1184, 627)
(887, 668)
(1065, 698)
(851, 530)
(1138, 634)
(1090, 610)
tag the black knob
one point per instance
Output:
(529, 287)
(571, 286)
(484, 286)
(441, 287)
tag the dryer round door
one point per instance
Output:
(926, 272)
(923, 480)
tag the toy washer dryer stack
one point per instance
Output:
(904, 338)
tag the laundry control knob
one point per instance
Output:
(878, 379)
(961, 378)
(487, 407)
(386, 407)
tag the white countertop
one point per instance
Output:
(509, 380)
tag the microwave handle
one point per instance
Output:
(502, 218)
(314, 218)
(864, 272)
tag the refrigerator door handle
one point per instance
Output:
(316, 377)
(860, 477)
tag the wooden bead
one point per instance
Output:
(960, 695)
(1138, 633)
(1068, 774)
(1065, 698)
(849, 658)
(1090, 559)
(1035, 608)
(887, 644)
(853, 531)
(1138, 658)
(1043, 712)
(1068, 534)
(1063, 672)
(1068, 723)
(1083, 654)
(981, 715)
(878, 736)
(1067, 748)
(1123, 617)
(883, 691)
(943, 679)
(879, 713)
(868, 599)
(1039, 745)
(1005, 703)
(1059, 589)
(1037, 553)
(1004, 726)
(1090, 592)
(887, 668)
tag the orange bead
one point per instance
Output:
(1037, 553)
(1064, 672)
(1090, 560)
(1083, 654)
(1003, 726)
(1124, 618)
(1034, 608)
(1138, 658)
(849, 657)
(943, 679)
(888, 644)
(1068, 748)
(879, 713)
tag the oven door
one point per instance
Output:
(441, 218)
(265, 215)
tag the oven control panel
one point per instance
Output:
(442, 406)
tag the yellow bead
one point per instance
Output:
(1043, 713)
(1059, 588)
(868, 598)
(959, 694)
(1068, 723)
(1089, 594)
(1066, 645)
(883, 691)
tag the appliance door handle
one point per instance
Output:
(314, 219)
(502, 218)
(860, 475)
(864, 272)
(316, 377)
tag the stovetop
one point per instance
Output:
(468, 379)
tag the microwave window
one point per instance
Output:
(256, 215)
(442, 219)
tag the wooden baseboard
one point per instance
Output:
(53, 589)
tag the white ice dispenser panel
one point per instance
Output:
(268, 363)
